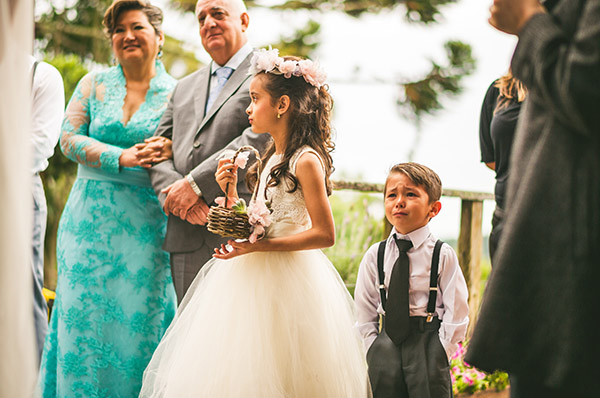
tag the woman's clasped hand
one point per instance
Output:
(148, 153)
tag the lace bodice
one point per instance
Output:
(94, 133)
(289, 208)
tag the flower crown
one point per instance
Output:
(270, 62)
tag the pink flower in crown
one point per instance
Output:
(287, 68)
(241, 160)
(312, 73)
(264, 60)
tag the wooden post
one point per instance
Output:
(469, 253)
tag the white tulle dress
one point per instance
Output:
(265, 324)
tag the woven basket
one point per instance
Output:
(225, 221)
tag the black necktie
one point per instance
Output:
(396, 313)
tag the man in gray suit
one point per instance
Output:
(206, 114)
(541, 303)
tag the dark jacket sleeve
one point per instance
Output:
(563, 66)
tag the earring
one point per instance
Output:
(160, 53)
(279, 116)
(113, 60)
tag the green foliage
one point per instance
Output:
(72, 70)
(302, 43)
(356, 230)
(174, 53)
(424, 11)
(423, 96)
(75, 29)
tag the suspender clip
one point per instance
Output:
(429, 317)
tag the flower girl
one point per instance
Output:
(271, 318)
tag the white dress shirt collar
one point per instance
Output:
(235, 61)
(417, 237)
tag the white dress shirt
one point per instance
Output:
(47, 111)
(451, 305)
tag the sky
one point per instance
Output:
(363, 58)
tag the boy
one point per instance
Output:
(422, 319)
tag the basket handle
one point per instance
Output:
(257, 154)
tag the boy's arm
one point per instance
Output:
(366, 297)
(455, 294)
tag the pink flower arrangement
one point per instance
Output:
(269, 61)
(467, 379)
(259, 217)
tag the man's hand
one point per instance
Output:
(510, 16)
(198, 213)
(180, 198)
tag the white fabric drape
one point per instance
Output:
(17, 360)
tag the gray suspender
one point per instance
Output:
(433, 288)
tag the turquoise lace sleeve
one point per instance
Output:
(75, 141)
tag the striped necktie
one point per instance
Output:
(221, 74)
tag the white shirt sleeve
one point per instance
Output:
(453, 289)
(367, 298)
(48, 105)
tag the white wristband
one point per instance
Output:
(195, 188)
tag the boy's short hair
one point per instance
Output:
(420, 175)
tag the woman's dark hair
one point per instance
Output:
(309, 118)
(112, 14)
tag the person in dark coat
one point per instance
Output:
(539, 310)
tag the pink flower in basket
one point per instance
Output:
(241, 160)
(220, 201)
(259, 217)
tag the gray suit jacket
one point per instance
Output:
(538, 312)
(198, 139)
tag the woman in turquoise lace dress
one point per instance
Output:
(114, 294)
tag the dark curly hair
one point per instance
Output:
(310, 124)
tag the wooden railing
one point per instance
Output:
(470, 238)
